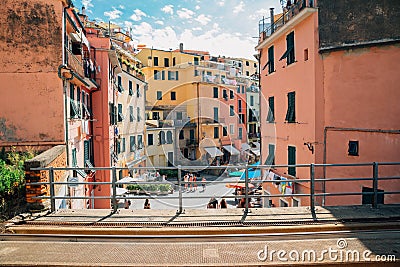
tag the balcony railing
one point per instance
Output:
(75, 62)
(265, 27)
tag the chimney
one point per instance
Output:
(271, 12)
(83, 10)
(181, 47)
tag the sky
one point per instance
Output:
(221, 27)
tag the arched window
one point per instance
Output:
(162, 137)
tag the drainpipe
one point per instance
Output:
(271, 12)
(198, 115)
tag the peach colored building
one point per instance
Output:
(326, 99)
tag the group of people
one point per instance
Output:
(213, 204)
(190, 182)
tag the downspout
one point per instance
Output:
(198, 114)
(64, 80)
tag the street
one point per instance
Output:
(198, 199)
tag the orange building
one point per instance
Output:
(330, 84)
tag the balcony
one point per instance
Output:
(184, 123)
(266, 28)
(192, 142)
(75, 63)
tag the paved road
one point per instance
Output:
(193, 199)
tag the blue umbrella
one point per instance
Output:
(252, 174)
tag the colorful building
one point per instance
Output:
(327, 101)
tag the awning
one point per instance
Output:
(213, 151)
(245, 146)
(232, 150)
(255, 151)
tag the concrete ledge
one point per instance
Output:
(44, 159)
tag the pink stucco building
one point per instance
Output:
(330, 87)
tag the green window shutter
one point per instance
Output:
(292, 160)
(291, 111)
(271, 63)
(177, 75)
(215, 94)
(169, 75)
(74, 161)
(271, 110)
(162, 75)
(216, 132)
(216, 114)
(191, 134)
(86, 150)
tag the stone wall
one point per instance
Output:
(54, 157)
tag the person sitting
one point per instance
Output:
(147, 204)
(223, 204)
(212, 204)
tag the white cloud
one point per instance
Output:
(203, 19)
(168, 9)
(159, 22)
(197, 29)
(121, 7)
(185, 13)
(259, 13)
(238, 8)
(114, 14)
(87, 3)
(221, 3)
(137, 15)
(197, 7)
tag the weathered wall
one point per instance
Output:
(30, 36)
(354, 21)
(31, 96)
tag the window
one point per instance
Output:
(255, 65)
(132, 143)
(170, 156)
(118, 146)
(156, 115)
(271, 155)
(159, 95)
(295, 202)
(196, 60)
(138, 114)
(191, 135)
(140, 141)
(240, 135)
(120, 88)
(215, 114)
(271, 60)
(169, 137)
(216, 132)
(289, 53)
(247, 73)
(291, 114)
(131, 116)
(238, 89)
(292, 160)
(225, 131)
(155, 61)
(74, 112)
(225, 94)
(179, 115)
(232, 94)
(283, 203)
(231, 110)
(215, 94)
(173, 61)
(137, 90)
(163, 75)
(120, 115)
(130, 88)
(231, 129)
(161, 137)
(251, 100)
(150, 140)
(247, 63)
(353, 148)
(123, 145)
(166, 62)
(271, 109)
(86, 150)
(240, 106)
(181, 134)
(306, 54)
(173, 95)
(242, 118)
(173, 75)
(157, 75)
(113, 113)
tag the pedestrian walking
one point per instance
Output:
(185, 181)
(223, 204)
(195, 182)
(191, 183)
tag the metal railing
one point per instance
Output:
(248, 181)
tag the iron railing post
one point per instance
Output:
(180, 188)
(114, 189)
(52, 194)
(312, 187)
(375, 185)
(246, 182)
